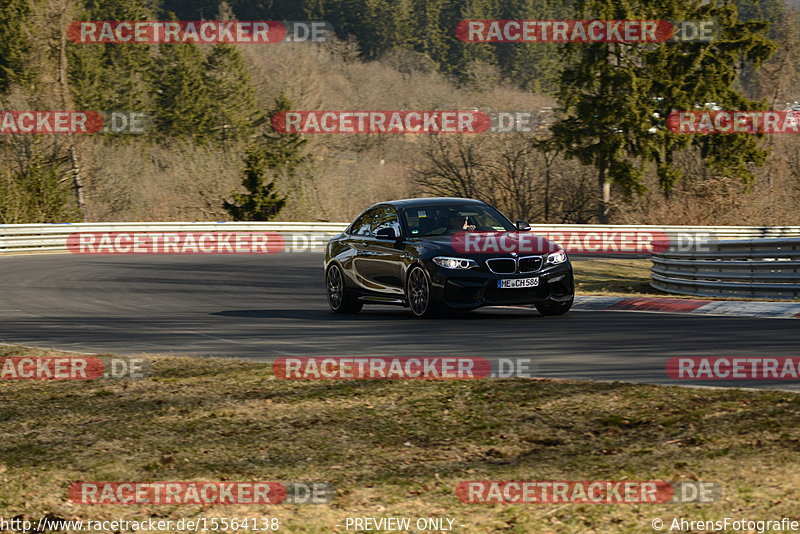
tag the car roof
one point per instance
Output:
(413, 202)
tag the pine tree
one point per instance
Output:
(184, 103)
(611, 91)
(13, 41)
(110, 76)
(35, 191)
(429, 35)
(688, 76)
(261, 202)
(279, 156)
(284, 151)
(235, 112)
(532, 66)
(459, 54)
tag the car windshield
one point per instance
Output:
(448, 219)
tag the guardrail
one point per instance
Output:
(680, 233)
(304, 236)
(38, 238)
(754, 268)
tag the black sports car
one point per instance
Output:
(412, 253)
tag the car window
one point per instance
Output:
(386, 218)
(424, 221)
(365, 224)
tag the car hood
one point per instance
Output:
(448, 245)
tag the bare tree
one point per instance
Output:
(793, 158)
(515, 176)
(454, 165)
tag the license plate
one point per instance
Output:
(516, 283)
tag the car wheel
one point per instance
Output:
(418, 293)
(339, 298)
(551, 307)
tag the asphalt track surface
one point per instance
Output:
(262, 307)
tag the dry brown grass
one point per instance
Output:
(622, 276)
(393, 448)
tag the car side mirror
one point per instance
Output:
(523, 226)
(387, 233)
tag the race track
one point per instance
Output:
(261, 307)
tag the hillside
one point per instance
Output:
(209, 104)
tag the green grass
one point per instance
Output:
(393, 448)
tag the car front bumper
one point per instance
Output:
(474, 288)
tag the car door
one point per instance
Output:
(378, 263)
(359, 239)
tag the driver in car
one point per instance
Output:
(461, 222)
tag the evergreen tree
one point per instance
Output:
(688, 76)
(13, 41)
(111, 76)
(532, 66)
(279, 156)
(261, 202)
(277, 9)
(459, 54)
(184, 102)
(427, 27)
(36, 191)
(610, 92)
(193, 9)
(780, 74)
(428, 35)
(235, 113)
(373, 22)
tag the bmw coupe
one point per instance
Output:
(437, 254)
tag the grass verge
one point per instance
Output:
(393, 448)
(619, 277)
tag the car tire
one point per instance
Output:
(339, 298)
(418, 294)
(551, 307)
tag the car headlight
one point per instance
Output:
(556, 257)
(454, 263)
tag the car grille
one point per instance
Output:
(502, 265)
(527, 264)
(530, 264)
